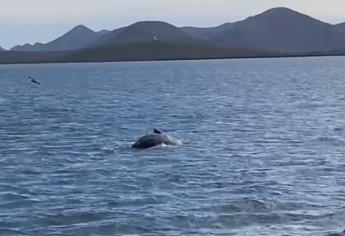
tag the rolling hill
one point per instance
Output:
(146, 31)
(276, 30)
(77, 38)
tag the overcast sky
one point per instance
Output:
(29, 21)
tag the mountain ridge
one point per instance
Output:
(251, 32)
(78, 37)
(146, 31)
(277, 29)
(275, 32)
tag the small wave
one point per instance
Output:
(336, 234)
(111, 148)
(68, 218)
(3, 100)
(244, 218)
(338, 129)
(332, 140)
(246, 205)
(325, 139)
(14, 196)
(11, 232)
(73, 124)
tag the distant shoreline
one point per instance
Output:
(275, 33)
(172, 59)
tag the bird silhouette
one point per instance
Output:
(33, 80)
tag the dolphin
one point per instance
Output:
(157, 138)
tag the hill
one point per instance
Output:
(77, 38)
(140, 51)
(276, 30)
(145, 31)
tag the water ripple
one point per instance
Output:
(263, 149)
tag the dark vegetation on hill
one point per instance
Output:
(276, 32)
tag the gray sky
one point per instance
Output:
(29, 21)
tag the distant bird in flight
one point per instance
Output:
(33, 80)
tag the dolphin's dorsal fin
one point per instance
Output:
(156, 131)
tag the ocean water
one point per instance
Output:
(263, 153)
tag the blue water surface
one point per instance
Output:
(263, 153)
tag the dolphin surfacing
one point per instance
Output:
(157, 138)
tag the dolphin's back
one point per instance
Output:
(151, 140)
(147, 141)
